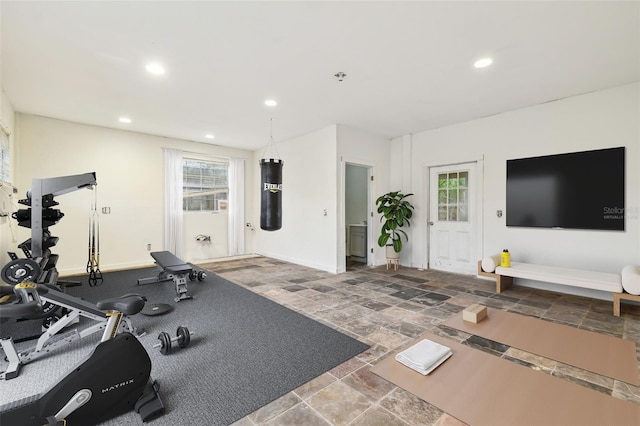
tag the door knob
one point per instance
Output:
(430, 223)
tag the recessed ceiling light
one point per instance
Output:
(155, 68)
(270, 103)
(209, 136)
(482, 63)
(125, 120)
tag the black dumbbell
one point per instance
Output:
(199, 275)
(183, 337)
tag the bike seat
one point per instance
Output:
(128, 304)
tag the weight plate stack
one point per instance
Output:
(20, 270)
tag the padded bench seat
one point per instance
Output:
(573, 277)
(170, 262)
(553, 274)
(172, 268)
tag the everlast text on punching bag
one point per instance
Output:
(271, 200)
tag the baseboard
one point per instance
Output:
(108, 268)
(137, 265)
(303, 262)
(224, 259)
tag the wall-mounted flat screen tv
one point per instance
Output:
(578, 190)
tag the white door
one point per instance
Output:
(357, 213)
(452, 218)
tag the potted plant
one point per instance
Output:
(396, 212)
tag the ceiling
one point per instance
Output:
(409, 65)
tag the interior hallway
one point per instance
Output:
(386, 309)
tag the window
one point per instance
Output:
(5, 157)
(453, 197)
(205, 185)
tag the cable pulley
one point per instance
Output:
(93, 263)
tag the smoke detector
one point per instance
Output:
(340, 76)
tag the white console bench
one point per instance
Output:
(574, 277)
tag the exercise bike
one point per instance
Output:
(100, 387)
(57, 333)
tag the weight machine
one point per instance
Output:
(40, 264)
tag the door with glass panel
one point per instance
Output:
(452, 233)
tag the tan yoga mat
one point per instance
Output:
(483, 389)
(605, 355)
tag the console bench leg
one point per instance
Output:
(616, 304)
(503, 282)
(617, 297)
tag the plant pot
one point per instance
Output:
(390, 252)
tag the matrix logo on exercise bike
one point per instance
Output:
(117, 386)
(272, 187)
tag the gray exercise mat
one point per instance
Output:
(246, 350)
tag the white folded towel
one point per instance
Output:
(424, 356)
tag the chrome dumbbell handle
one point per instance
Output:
(183, 337)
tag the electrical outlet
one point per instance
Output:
(148, 247)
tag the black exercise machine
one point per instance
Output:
(39, 216)
(172, 268)
(53, 337)
(113, 379)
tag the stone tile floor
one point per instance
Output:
(386, 309)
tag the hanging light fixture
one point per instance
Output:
(340, 76)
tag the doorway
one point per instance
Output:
(453, 217)
(356, 215)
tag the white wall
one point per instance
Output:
(602, 119)
(314, 180)
(214, 225)
(6, 113)
(400, 164)
(307, 236)
(356, 146)
(130, 174)
(7, 121)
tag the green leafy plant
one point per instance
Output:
(396, 213)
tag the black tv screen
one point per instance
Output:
(579, 190)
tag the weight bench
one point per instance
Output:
(172, 268)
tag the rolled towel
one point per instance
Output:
(631, 279)
(424, 356)
(489, 263)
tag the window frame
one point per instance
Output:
(212, 190)
(456, 204)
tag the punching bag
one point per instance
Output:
(271, 199)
